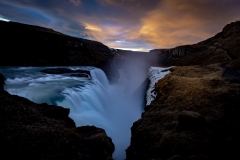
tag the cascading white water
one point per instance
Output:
(111, 107)
(92, 101)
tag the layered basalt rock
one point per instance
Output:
(41, 131)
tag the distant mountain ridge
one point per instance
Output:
(223, 47)
(29, 45)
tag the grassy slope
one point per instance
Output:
(194, 116)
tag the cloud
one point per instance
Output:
(75, 2)
(92, 27)
(128, 23)
(175, 23)
(4, 19)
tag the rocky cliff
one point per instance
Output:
(196, 112)
(27, 45)
(223, 47)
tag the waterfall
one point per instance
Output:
(108, 106)
(92, 101)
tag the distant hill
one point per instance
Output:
(28, 45)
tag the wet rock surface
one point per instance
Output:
(73, 73)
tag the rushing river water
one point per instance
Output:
(92, 101)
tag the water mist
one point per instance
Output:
(113, 107)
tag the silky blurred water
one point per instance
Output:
(92, 101)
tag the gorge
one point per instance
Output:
(93, 100)
(194, 112)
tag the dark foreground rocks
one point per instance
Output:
(195, 116)
(41, 131)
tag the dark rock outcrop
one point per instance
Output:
(97, 141)
(41, 131)
(74, 73)
(230, 74)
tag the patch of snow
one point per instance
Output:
(155, 74)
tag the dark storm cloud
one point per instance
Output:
(139, 24)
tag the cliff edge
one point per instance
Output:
(195, 114)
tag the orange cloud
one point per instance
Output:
(175, 23)
(92, 27)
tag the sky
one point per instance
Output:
(127, 24)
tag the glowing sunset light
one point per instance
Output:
(133, 24)
(93, 28)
